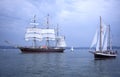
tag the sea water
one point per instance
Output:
(77, 63)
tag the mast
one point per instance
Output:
(47, 39)
(57, 33)
(57, 30)
(110, 44)
(100, 46)
(34, 26)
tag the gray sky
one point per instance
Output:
(77, 19)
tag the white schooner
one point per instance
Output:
(102, 43)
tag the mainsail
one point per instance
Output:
(96, 39)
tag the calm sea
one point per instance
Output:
(77, 63)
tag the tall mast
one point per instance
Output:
(34, 21)
(47, 39)
(57, 33)
(100, 46)
(110, 44)
(57, 30)
(48, 21)
(34, 39)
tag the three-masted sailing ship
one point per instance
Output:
(102, 41)
(35, 34)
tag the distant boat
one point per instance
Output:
(46, 35)
(72, 49)
(102, 41)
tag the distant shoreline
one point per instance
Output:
(7, 47)
(11, 47)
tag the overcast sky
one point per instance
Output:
(77, 19)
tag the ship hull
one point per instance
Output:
(38, 50)
(101, 55)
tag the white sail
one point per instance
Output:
(34, 23)
(105, 44)
(104, 29)
(110, 40)
(40, 33)
(35, 34)
(61, 42)
(33, 30)
(28, 39)
(30, 36)
(48, 31)
(105, 40)
(49, 34)
(72, 49)
(94, 42)
(97, 46)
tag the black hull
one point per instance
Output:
(99, 56)
(38, 50)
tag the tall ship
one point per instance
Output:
(102, 42)
(49, 37)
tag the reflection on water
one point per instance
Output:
(43, 63)
(79, 63)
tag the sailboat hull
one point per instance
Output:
(104, 56)
(38, 50)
